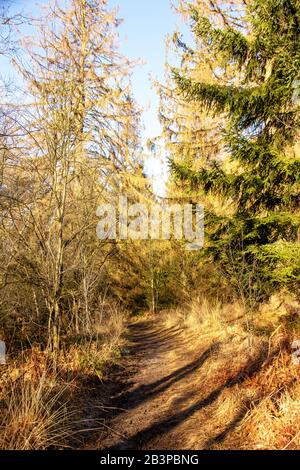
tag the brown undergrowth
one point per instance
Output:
(203, 376)
(210, 378)
(256, 384)
(44, 407)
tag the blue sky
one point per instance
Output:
(142, 36)
(143, 32)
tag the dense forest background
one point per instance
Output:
(71, 141)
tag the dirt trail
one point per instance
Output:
(162, 403)
(178, 391)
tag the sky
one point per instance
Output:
(145, 26)
(143, 33)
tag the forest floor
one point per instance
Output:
(161, 395)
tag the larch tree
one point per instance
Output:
(80, 148)
(193, 135)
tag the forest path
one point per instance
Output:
(163, 401)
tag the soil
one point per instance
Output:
(174, 391)
(155, 398)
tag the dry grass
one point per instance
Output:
(257, 390)
(274, 424)
(37, 411)
(92, 354)
(250, 396)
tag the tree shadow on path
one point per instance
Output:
(172, 419)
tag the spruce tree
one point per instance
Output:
(262, 108)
